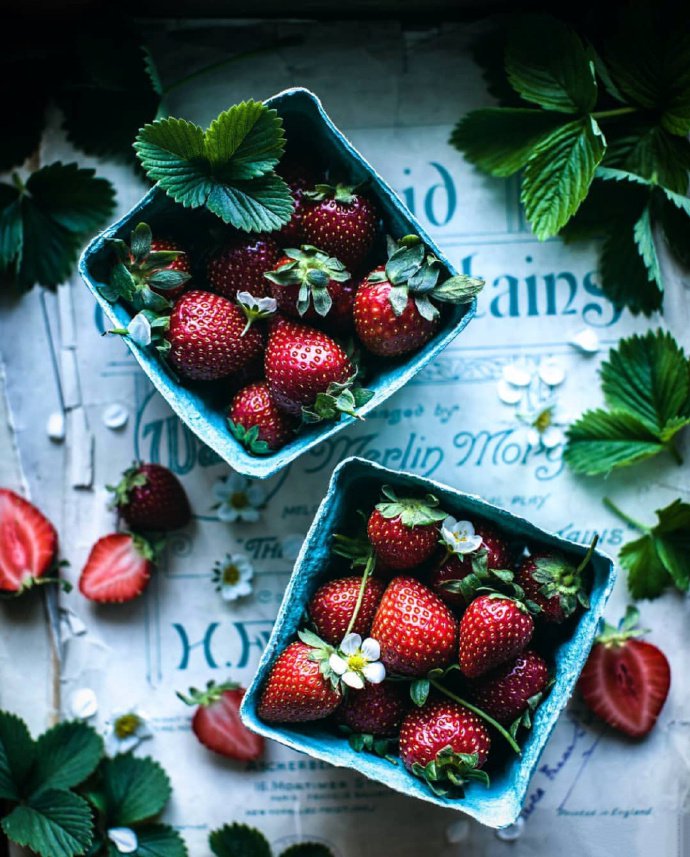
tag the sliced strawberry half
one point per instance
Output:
(216, 722)
(625, 681)
(28, 543)
(118, 568)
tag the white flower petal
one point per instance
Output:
(468, 545)
(267, 304)
(517, 375)
(464, 528)
(551, 373)
(586, 340)
(220, 489)
(226, 514)
(374, 673)
(371, 649)
(508, 394)
(83, 703)
(228, 592)
(533, 437)
(552, 437)
(246, 298)
(131, 742)
(251, 516)
(449, 522)
(351, 644)
(354, 680)
(337, 664)
(139, 330)
(234, 483)
(124, 839)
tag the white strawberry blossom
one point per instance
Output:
(265, 306)
(233, 577)
(124, 839)
(356, 662)
(460, 536)
(139, 330)
(239, 499)
(126, 730)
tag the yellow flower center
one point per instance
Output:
(231, 574)
(126, 725)
(357, 662)
(543, 420)
(239, 500)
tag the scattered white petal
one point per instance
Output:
(508, 394)
(552, 436)
(124, 839)
(337, 664)
(139, 330)
(351, 644)
(264, 305)
(115, 416)
(551, 373)
(517, 375)
(586, 340)
(533, 437)
(353, 679)
(55, 427)
(374, 673)
(371, 649)
(83, 703)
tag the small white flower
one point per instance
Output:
(83, 703)
(125, 731)
(262, 305)
(139, 330)
(233, 577)
(544, 426)
(124, 839)
(239, 499)
(551, 373)
(357, 661)
(460, 536)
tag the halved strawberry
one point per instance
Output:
(117, 569)
(28, 543)
(625, 681)
(216, 722)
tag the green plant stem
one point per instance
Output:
(366, 574)
(497, 726)
(636, 525)
(609, 114)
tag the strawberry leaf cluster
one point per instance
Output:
(646, 385)
(240, 840)
(572, 119)
(227, 168)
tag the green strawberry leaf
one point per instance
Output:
(419, 691)
(307, 849)
(17, 753)
(412, 511)
(66, 755)
(638, 145)
(134, 789)
(156, 840)
(675, 225)
(228, 168)
(547, 64)
(238, 840)
(52, 823)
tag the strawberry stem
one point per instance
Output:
(636, 525)
(366, 574)
(486, 717)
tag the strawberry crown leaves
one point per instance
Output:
(610, 635)
(357, 549)
(412, 512)
(138, 268)
(133, 477)
(228, 168)
(312, 270)
(210, 694)
(320, 653)
(249, 438)
(411, 271)
(343, 193)
(450, 772)
(339, 398)
(524, 721)
(481, 577)
(364, 742)
(560, 579)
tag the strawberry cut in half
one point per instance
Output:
(216, 721)
(28, 544)
(117, 569)
(150, 497)
(626, 681)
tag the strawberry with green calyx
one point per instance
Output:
(216, 721)
(341, 222)
(404, 531)
(494, 629)
(148, 274)
(626, 680)
(554, 583)
(395, 308)
(309, 373)
(257, 422)
(310, 284)
(151, 497)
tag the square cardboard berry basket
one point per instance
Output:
(304, 117)
(356, 484)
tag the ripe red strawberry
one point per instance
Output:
(445, 744)
(149, 273)
(28, 543)
(208, 337)
(505, 693)
(396, 305)
(377, 709)
(625, 681)
(341, 222)
(257, 422)
(494, 553)
(117, 569)
(300, 179)
(309, 374)
(404, 531)
(493, 630)
(216, 721)
(415, 629)
(296, 690)
(554, 583)
(150, 497)
(309, 284)
(332, 605)
(240, 266)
